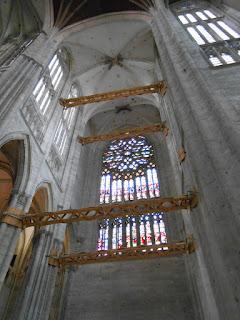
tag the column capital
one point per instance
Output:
(12, 217)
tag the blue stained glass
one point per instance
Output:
(129, 173)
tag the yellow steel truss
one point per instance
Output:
(128, 133)
(107, 211)
(113, 95)
(140, 252)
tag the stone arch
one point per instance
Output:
(14, 164)
(44, 188)
(125, 15)
(41, 201)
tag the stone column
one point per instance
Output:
(18, 81)
(40, 284)
(40, 279)
(211, 142)
(9, 234)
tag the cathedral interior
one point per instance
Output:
(119, 159)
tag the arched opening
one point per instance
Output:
(23, 250)
(129, 173)
(10, 170)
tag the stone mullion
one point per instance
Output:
(123, 191)
(110, 234)
(147, 189)
(210, 31)
(152, 229)
(232, 52)
(224, 31)
(45, 91)
(110, 189)
(138, 230)
(135, 188)
(216, 50)
(145, 231)
(124, 242)
(131, 227)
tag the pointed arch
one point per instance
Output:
(129, 173)
(44, 196)
(15, 151)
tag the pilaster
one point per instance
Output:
(9, 235)
(19, 80)
(40, 278)
(212, 162)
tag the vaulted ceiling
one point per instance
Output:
(90, 8)
(112, 53)
(83, 9)
(19, 19)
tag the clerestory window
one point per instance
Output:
(129, 173)
(49, 84)
(65, 124)
(218, 40)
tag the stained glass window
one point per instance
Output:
(218, 40)
(129, 173)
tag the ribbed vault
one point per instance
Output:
(19, 19)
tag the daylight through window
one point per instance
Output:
(218, 40)
(129, 173)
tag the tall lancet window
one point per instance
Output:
(217, 37)
(49, 84)
(65, 124)
(129, 173)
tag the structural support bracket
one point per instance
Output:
(12, 217)
(128, 133)
(108, 211)
(123, 254)
(181, 154)
(159, 87)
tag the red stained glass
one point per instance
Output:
(129, 173)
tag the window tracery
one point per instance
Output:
(49, 83)
(65, 124)
(129, 173)
(218, 40)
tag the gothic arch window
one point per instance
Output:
(129, 173)
(218, 39)
(49, 84)
(65, 124)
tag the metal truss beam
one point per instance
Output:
(108, 211)
(123, 254)
(160, 88)
(133, 132)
